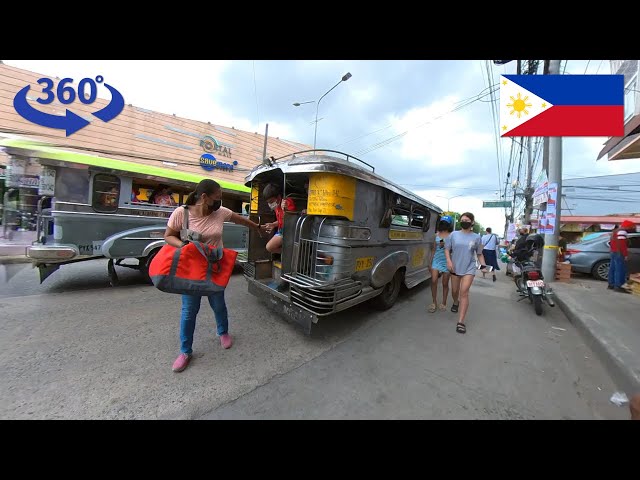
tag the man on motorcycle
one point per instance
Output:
(519, 251)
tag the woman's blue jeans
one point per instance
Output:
(190, 309)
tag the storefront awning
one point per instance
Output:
(625, 147)
(52, 153)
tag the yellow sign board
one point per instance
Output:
(418, 257)
(404, 235)
(331, 194)
(255, 193)
(364, 263)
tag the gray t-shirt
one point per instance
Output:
(462, 248)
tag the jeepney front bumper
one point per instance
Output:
(51, 253)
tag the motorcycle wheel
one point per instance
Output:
(537, 304)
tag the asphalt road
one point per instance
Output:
(75, 347)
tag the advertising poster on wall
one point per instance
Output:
(551, 213)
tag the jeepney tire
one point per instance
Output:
(390, 293)
(145, 262)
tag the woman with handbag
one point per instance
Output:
(206, 217)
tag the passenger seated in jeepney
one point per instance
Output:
(110, 198)
(162, 196)
(272, 193)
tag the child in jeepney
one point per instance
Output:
(273, 195)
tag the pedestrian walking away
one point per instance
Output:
(206, 218)
(461, 247)
(439, 264)
(489, 251)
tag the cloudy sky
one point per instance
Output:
(426, 125)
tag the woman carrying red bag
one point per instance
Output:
(206, 217)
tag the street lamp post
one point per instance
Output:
(449, 208)
(344, 78)
(448, 199)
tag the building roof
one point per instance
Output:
(154, 139)
(599, 219)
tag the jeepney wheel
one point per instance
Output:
(390, 293)
(144, 265)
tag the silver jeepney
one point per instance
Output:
(361, 239)
(74, 224)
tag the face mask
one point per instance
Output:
(273, 205)
(465, 225)
(215, 205)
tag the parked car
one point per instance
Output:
(593, 256)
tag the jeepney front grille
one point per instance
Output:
(323, 261)
(321, 276)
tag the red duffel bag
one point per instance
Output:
(195, 269)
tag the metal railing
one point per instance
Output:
(346, 155)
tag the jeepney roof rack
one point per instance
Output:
(346, 155)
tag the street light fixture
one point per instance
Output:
(344, 78)
(449, 199)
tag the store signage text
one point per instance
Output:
(209, 162)
(210, 145)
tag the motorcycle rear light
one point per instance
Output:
(533, 276)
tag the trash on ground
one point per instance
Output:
(619, 399)
(558, 328)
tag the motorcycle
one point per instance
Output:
(528, 277)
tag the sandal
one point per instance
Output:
(454, 308)
(432, 308)
(443, 307)
(461, 328)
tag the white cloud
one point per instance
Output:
(436, 136)
(488, 217)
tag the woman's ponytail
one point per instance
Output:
(191, 199)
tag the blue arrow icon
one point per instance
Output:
(71, 122)
(114, 108)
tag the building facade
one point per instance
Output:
(627, 146)
(168, 145)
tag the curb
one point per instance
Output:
(14, 259)
(614, 357)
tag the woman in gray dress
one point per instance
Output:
(461, 248)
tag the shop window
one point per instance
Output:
(106, 193)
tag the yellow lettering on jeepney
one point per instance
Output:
(418, 257)
(404, 235)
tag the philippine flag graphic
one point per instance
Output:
(562, 105)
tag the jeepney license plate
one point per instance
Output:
(535, 283)
(364, 263)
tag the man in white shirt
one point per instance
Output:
(489, 247)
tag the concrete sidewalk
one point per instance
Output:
(12, 248)
(610, 322)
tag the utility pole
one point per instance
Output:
(545, 140)
(264, 151)
(550, 255)
(528, 192)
